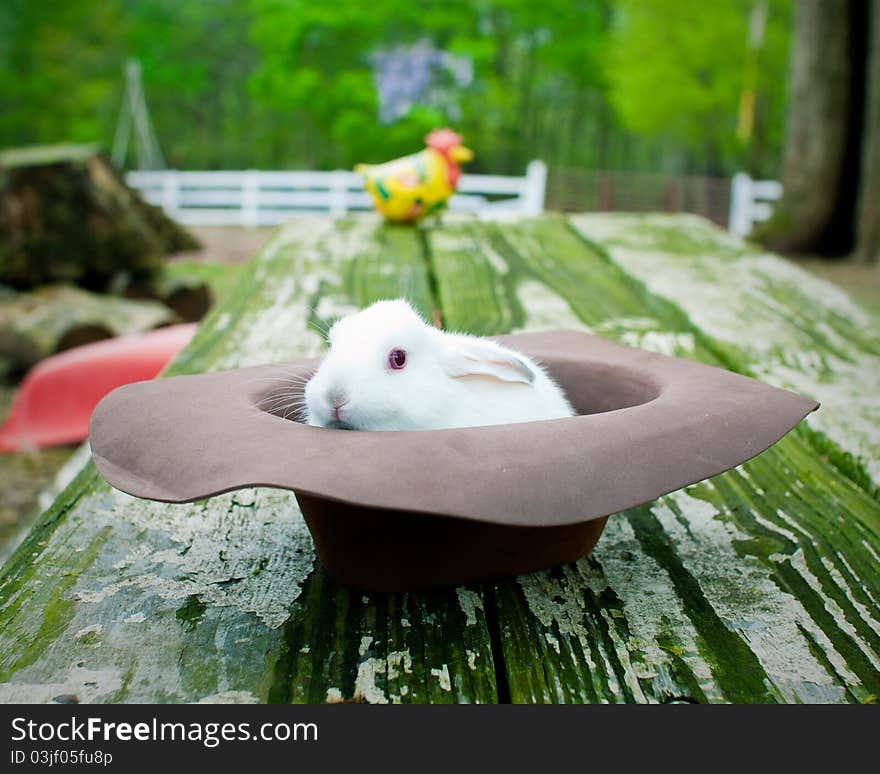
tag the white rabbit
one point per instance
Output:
(387, 369)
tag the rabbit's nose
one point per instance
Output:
(337, 398)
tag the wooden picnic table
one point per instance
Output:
(759, 585)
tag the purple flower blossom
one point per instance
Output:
(419, 74)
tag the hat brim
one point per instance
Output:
(647, 424)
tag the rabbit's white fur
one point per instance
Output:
(449, 379)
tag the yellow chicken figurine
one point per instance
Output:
(407, 189)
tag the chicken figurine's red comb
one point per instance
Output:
(443, 139)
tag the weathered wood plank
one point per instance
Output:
(388, 648)
(765, 316)
(117, 599)
(759, 585)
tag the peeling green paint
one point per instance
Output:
(737, 670)
(55, 605)
(190, 613)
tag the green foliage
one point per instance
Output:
(58, 70)
(196, 61)
(528, 59)
(677, 70)
(288, 83)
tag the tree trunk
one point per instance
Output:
(868, 214)
(66, 216)
(818, 132)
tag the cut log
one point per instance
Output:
(66, 216)
(189, 298)
(51, 319)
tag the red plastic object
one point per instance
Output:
(58, 395)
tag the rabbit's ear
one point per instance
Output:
(465, 357)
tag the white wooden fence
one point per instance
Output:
(750, 202)
(258, 198)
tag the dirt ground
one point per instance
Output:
(860, 280)
(226, 244)
(23, 476)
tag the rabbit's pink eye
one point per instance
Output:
(397, 359)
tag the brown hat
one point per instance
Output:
(392, 510)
